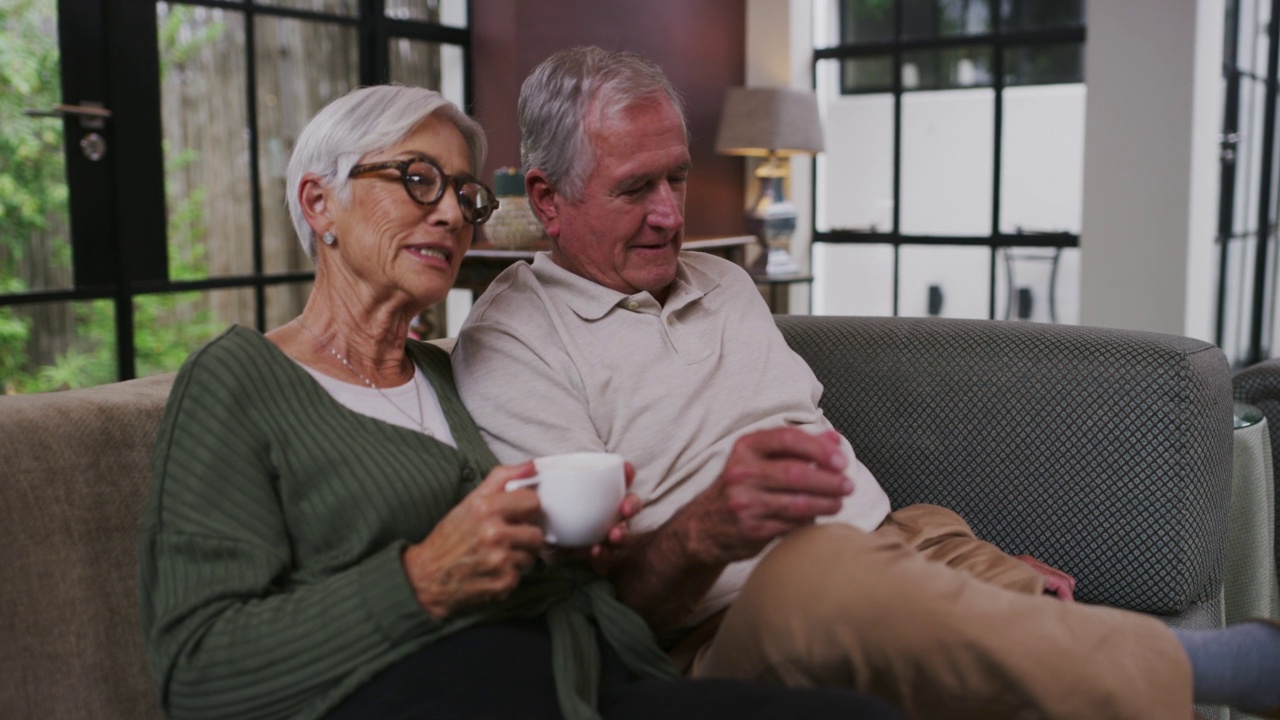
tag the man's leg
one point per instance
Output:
(942, 536)
(831, 605)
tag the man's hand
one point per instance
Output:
(774, 481)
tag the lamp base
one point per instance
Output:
(775, 262)
(773, 221)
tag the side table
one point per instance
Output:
(1250, 585)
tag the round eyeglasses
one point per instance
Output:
(425, 182)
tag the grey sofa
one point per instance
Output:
(1105, 453)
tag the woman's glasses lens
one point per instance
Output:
(477, 202)
(423, 181)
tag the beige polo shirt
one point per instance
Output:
(550, 362)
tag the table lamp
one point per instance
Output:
(771, 123)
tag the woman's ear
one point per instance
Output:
(545, 201)
(313, 197)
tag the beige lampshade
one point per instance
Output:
(757, 121)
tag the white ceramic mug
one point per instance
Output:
(580, 494)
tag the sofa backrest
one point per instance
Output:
(1103, 452)
(76, 466)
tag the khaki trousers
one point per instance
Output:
(923, 614)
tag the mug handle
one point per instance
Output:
(521, 484)
(547, 536)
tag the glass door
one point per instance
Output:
(56, 161)
(142, 157)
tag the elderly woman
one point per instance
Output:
(328, 536)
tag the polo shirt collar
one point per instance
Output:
(592, 301)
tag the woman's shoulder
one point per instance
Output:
(236, 344)
(236, 357)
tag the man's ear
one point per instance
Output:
(545, 201)
(313, 197)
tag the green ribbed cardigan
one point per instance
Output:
(270, 571)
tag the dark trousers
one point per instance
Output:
(502, 671)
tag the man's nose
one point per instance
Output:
(667, 210)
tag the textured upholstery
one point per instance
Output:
(1103, 452)
(76, 469)
(1107, 453)
(1259, 385)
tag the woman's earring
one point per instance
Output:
(328, 238)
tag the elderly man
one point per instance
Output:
(617, 341)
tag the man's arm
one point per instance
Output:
(774, 481)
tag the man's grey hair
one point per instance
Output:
(557, 97)
(365, 120)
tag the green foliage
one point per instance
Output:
(33, 199)
(181, 36)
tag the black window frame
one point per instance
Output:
(998, 40)
(118, 237)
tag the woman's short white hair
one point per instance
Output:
(558, 94)
(365, 120)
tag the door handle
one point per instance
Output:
(90, 112)
(60, 109)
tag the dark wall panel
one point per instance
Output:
(700, 44)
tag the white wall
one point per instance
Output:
(1150, 174)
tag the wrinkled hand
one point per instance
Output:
(1056, 582)
(478, 552)
(774, 481)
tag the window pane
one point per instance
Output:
(866, 21)
(301, 66)
(852, 279)
(948, 156)
(168, 327)
(1045, 282)
(1044, 64)
(429, 65)
(206, 149)
(947, 68)
(870, 74)
(35, 247)
(1238, 309)
(1254, 40)
(943, 18)
(1035, 14)
(445, 12)
(1042, 159)
(958, 278)
(1253, 100)
(56, 346)
(855, 172)
(338, 7)
(285, 302)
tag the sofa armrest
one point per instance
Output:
(1259, 385)
(1106, 453)
(76, 473)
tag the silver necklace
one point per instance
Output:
(420, 421)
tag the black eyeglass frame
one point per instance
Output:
(457, 181)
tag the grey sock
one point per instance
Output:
(1237, 666)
